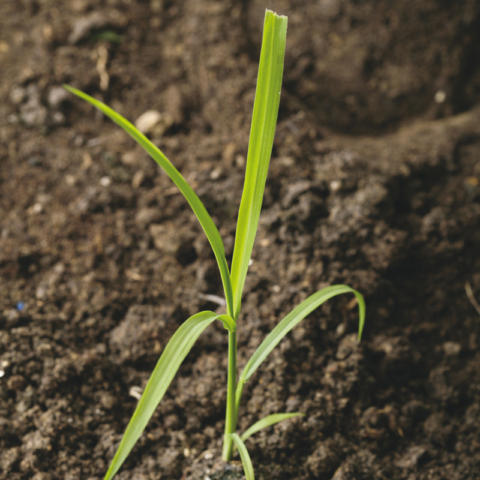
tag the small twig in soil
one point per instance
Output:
(136, 392)
(213, 298)
(102, 67)
(471, 297)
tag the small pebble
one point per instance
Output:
(451, 349)
(108, 401)
(147, 121)
(33, 113)
(17, 95)
(105, 181)
(440, 96)
(93, 142)
(41, 292)
(335, 186)
(12, 315)
(215, 174)
(228, 153)
(138, 178)
(240, 161)
(129, 158)
(58, 118)
(70, 180)
(78, 141)
(57, 96)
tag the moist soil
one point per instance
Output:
(374, 182)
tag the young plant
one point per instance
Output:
(265, 112)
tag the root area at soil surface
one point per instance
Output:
(374, 182)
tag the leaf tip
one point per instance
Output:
(275, 14)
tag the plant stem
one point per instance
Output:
(231, 416)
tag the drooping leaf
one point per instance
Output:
(268, 422)
(245, 456)
(167, 366)
(290, 321)
(197, 206)
(265, 112)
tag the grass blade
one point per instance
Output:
(267, 422)
(244, 455)
(264, 120)
(176, 350)
(197, 206)
(290, 321)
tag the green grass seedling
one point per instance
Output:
(265, 112)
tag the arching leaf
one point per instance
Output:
(268, 422)
(197, 206)
(290, 321)
(244, 455)
(175, 352)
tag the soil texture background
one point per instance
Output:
(374, 182)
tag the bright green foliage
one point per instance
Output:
(245, 456)
(290, 321)
(265, 112)
(172, 357)
(268, 422)
(264, 120)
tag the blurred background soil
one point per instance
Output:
(374, 182)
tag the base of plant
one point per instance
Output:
(209, 465)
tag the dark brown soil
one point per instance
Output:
(374, 182)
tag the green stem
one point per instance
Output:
(231, 416)
(238, 395)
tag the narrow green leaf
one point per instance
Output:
(176, 350)
(197, 206)
(244, 455)
(228, 323)
(265, 112)
(269, 421)
(291, 320)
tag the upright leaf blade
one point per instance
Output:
(290, 321)
(268, 421)
(176, 350)
(197, 206)
(245, 456)
(264, 120)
